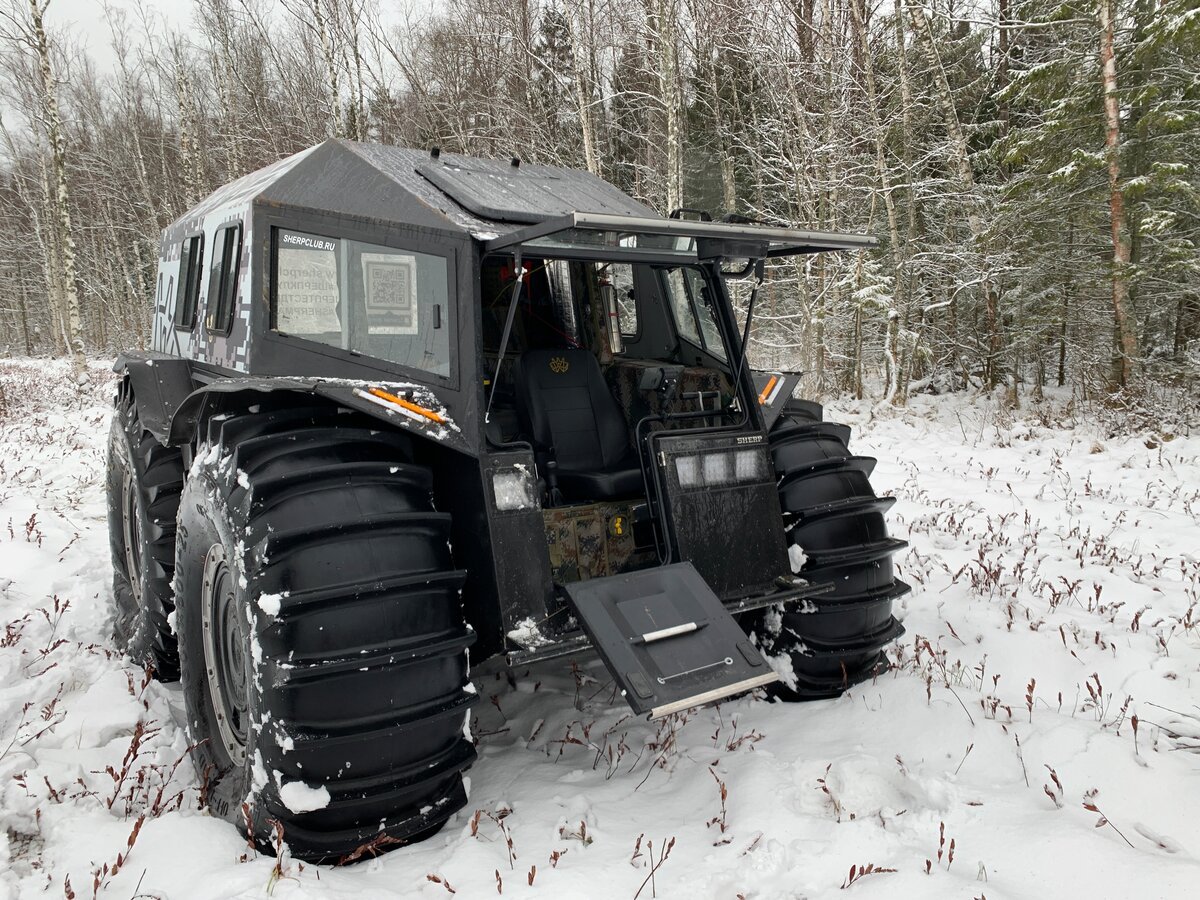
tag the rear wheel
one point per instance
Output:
(322, 641)
(836, 531)
(144, 482)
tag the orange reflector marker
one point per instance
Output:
(409, 405)
(766, 391)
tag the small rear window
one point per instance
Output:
(222, 280)
(191, 261)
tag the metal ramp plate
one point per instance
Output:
(666, 639)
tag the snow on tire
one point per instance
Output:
(322, 641)
(836, 533)
(144, 480)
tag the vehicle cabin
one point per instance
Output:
(544, 324)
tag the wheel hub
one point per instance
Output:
(225, 661)
(131, 535)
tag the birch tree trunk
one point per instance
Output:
(583, 92)
(321, 25)
(45, 224)
(60, 196)
(966, 178)
(358, 93)
(189, 146)
(661, 16)
(889, 204)
(724, 155)
(1127, 344)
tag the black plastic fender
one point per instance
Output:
(239, 392)
(160, 384)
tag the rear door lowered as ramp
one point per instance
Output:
(666, 639)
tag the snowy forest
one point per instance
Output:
(1008, 544)
(1029, 166)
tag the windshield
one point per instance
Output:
(635, 310)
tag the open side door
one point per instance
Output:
(666, 639)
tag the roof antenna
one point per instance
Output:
(435, 152)
(515, 162)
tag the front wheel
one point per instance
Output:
(321, 636)
(836, 534)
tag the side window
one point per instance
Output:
(691, 305)
(191, 261)
(384, 302)
(222, 280)
(681, 307)
(620, 276)
(702, 303)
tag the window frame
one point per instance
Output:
(220, 275)
(391, 237)
(626, 336)
(693, 305)
(186, 284)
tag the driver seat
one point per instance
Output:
(572, 418)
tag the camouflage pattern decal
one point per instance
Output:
(165, 337)
(233, 350)
(232, 203)
(592, 541)
(230, 351)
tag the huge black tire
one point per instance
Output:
(144, 482)
(321, 635)
(832, 514)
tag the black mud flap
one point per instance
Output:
(666, 639)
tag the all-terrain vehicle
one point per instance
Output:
(401, 404)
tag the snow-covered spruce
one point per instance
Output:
(321, 635)
(837, 535)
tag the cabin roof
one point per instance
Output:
(482, 198)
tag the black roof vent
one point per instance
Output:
(435, 152)
(516, 162)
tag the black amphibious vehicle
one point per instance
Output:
(402, 404)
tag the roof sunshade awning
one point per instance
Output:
(653, 236)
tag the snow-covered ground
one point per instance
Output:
(1040, 736)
